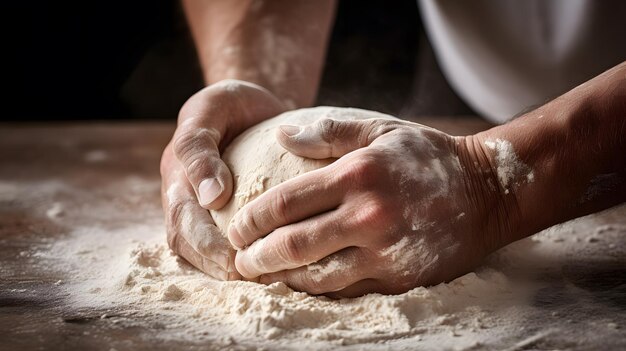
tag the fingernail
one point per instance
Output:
(252, 261)
(289, 130)
(209, 190)
(241, 266)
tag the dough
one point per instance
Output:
(258, 162)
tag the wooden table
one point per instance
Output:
(41, 164)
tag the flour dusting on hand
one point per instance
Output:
(511, 170)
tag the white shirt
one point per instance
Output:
(505, 56)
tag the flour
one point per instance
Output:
(402, 253)
(394, 250)
(55, 211)
(132, 270)
(511, 170)
(119, 271)
(319, 270)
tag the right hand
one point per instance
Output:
(194, 177)
(404, 205)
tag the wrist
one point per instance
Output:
(560, 161)
(496, 207)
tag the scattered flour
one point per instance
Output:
(131, 271)
(116, 269)
(55, 211)
(108, 252)
(324, 269)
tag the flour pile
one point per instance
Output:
(130, 272)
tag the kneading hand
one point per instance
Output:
(194, 178)
(397, 210)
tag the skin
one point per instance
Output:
(404, 205)
(380, 214)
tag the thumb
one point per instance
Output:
(197, 150)
(328, 138)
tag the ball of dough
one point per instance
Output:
(258, 162)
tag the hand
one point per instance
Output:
(194, 178)
(397, 210)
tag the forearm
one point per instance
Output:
(568, 157)
(278, 44)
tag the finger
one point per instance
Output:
(299, 244)
(296, 199)
(332, 138)
(333, 273)
(216, 271)
(190, 228)
(210, 119)
(360, 288)
(197, 149)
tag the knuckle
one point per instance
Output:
(374, 213)
(279, 205)
(364, 171)
(246, 223)
(378, 127)
(365, 166)
(190, 142)
(290, 250)
(185, 143)
(327, 128)
(197, 166)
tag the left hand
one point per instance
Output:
(397, 210)
(207, 122)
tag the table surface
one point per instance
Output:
(91, 158)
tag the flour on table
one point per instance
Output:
(132, 270)
(129, 276)
(55, 211)
(117, 272)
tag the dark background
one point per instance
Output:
(136, 60)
